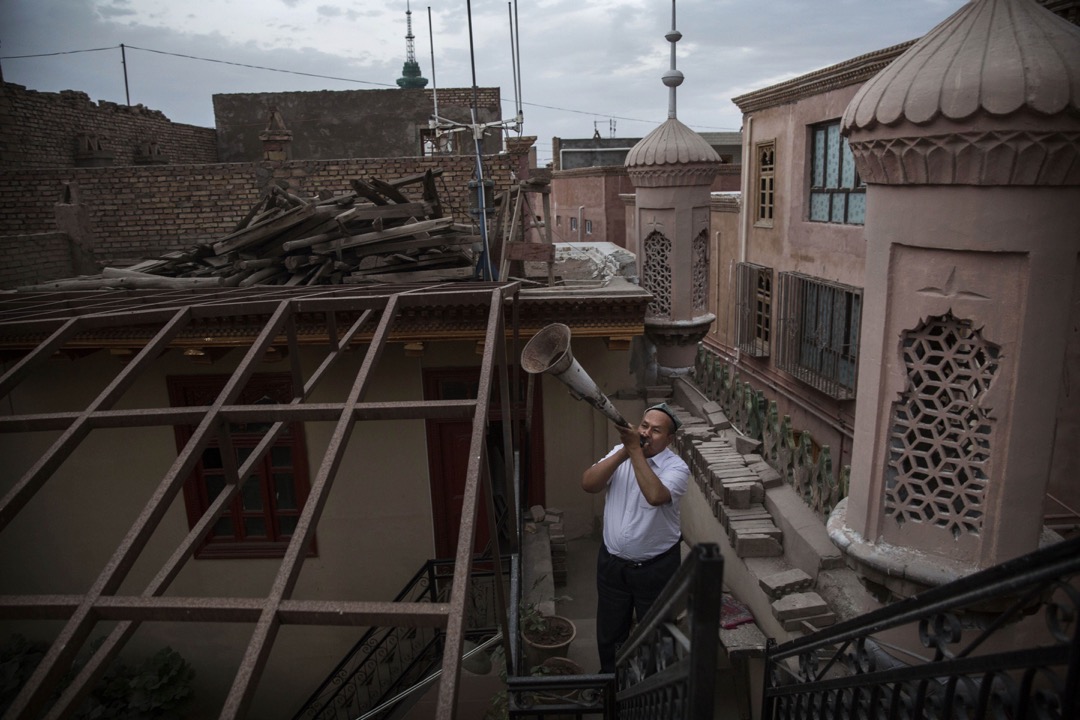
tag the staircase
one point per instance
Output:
(389, 660)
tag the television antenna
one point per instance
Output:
(442, 127)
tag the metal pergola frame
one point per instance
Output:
(45, 323)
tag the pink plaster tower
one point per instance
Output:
(970, 145)
(672, 169)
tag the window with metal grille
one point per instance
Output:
(753, 309)
(434, 142)
(766, 173)
(837, 193)
(261, 519)
(818, 338)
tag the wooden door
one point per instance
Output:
(448, 455)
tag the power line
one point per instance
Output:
(322, 77)
(262, 67)
(66, 52)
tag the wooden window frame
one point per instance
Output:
(765, 183)
(846, 192)
(754, 309)
(189, 390)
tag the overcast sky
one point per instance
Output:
(584, 62)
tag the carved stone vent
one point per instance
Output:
(940, 438)
(657, 275)
(701, 271)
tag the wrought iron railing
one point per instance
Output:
(667, 668)
(387, 660)
(1001, 643)
(791, 453)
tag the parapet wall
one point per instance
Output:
(135, 212)
(32, 259)
(42, 130)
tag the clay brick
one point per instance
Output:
(735, 531)
(799, 605)
(782, 583)
(757, 546)
(739, 495)
(768, 476)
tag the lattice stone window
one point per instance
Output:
(939, 443)
(753, 309)
(837, 193)
(701, 271)
(656, 277)
(819, 333)
(766, 174)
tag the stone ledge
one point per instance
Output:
(806, 541)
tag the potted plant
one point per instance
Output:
(544, 636)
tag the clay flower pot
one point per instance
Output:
(551, 639)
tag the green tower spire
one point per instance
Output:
(410, 71)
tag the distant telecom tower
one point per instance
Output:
(410, 71)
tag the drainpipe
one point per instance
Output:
(747, 159)
(581, 223)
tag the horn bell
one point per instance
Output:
(549, 352)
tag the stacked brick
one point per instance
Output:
(794, 604)
(733, 483)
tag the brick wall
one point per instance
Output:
(326, 124)
(39, 129)
(137, 211)
(31, 259)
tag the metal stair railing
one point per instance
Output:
(1003, 642)
(667, 667)
(388, 660)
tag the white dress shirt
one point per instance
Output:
(633, 529)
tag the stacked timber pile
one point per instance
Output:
(372, 234)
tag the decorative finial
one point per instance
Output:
(672, 78)
(410, 72)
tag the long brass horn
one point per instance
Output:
(549, 352)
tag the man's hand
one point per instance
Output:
(631, 439)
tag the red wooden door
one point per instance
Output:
(448, 455)
(450, 461)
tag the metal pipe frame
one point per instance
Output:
(58, 319)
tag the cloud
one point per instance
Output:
(589, 61)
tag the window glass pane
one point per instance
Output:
(281, 456)
(847, 170)
(223, 528)
(456, 390)
(214, 486)
(287, 524)
(832, 156)
(819, 207)
(857, 208)
(285, 490)
(242, 454)
(254, 527)
(252, 493)
(211, 458)
(838, 206)
(819, 158)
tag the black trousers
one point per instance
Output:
(622, 589)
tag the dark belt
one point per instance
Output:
(644, 563)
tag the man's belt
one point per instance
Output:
(645, 563)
